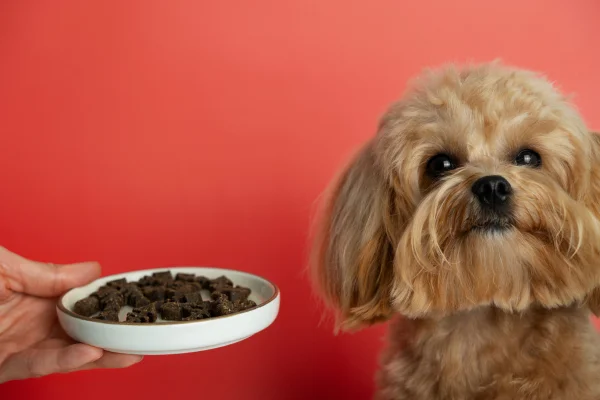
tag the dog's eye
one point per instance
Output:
(440, 164)
(528, 158)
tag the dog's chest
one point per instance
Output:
(499, 358)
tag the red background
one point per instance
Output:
(148, 134)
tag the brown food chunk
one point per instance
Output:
(171, 311)
(178, 293)
(244, 305)
(128, 288)
(222, 306)
(173, 295)
(203, 281)
(218, 296)
(117, 283)
(146, 281)
(185, 287)
(190, 312)
(113, 301)
(194, 297)
(219, 283)
(134, 296)
(154, 293)
(185, 277)
(175, 284)
(138, 318)
(165, 276)
(109, 315)
(235, 293)
(104, 291)
(158, 305)
(145, 314)
(139, 300)
(223, 280)
(87, 306)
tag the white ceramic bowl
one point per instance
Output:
(172, 337)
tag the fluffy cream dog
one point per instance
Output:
(471, 220)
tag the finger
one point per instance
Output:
(37, 362)
(113, 361)
(108, 359)
(54, 343)
(44, 279)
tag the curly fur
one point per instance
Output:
(476, 314)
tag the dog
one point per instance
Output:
(470, 222)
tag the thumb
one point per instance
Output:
(44, 279)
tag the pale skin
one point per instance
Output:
(32, 343)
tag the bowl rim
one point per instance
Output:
(61, 307)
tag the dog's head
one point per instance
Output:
(481, 187)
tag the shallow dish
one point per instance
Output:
(172, 337)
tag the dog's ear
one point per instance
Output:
(594, 193)
(593, 202)
(352, 260)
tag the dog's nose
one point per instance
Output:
(492, 191)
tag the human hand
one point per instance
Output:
(32, 343)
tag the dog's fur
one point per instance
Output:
(476, 313)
